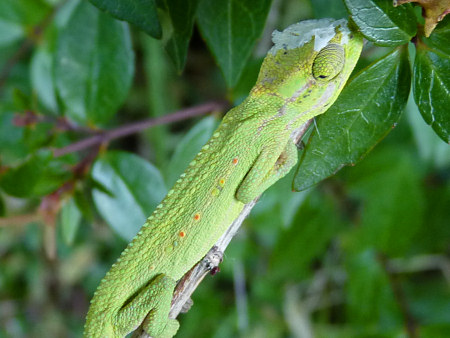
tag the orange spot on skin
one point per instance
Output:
(182, 234)
(235, 161)
(222, 182)
(196, 217)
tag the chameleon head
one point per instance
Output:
(308, 66)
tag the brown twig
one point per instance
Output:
(132, 128)
(409, 320)
(20, 219)
(30, 118)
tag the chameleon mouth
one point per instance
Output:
(323, 102)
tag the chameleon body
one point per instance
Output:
(250, 150)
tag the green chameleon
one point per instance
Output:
(301, 77)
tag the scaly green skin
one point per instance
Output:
(250, 150)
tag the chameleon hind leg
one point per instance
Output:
(150, 306)
(269, 167)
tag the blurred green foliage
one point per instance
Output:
(364, 253)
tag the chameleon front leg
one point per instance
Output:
(269, 167)
(150, 306)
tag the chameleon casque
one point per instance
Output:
(301, 76)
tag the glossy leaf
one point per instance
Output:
(432, 86)
(94, 65)
(366, 111)
(69, 220)
(188, 147)
(135, 188)
(231, 28)
(141, 13)
(440, 39)
(381, 22)
(181, 15)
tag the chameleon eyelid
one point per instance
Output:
(329, 62)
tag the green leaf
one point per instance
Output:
(38, 175)
(312, 228)
(94, 65)
(159, 79)
(12, 146)
(280, 204)
(136, 187)
(23, 12)
(392, 203)
(440, 38)
(70, 221)
(10, 32)
(231, 28)
(247, 80)
(21, 100)
(42, 78)
(430, 147)
(188, 147)
(381, 22)
(84, 202)
(2, 207)
(141, 13)
(435, 331)
(365, 112)
(181, 14)
(433, 237)
(65, 12)
(328, 9)
(369, 295)
(432, 89)
(428, 302)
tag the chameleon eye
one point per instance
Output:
(328, 62)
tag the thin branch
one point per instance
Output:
(132, 128)
(30, 118)
(421, 263)
(20, 220)
(210, 263)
